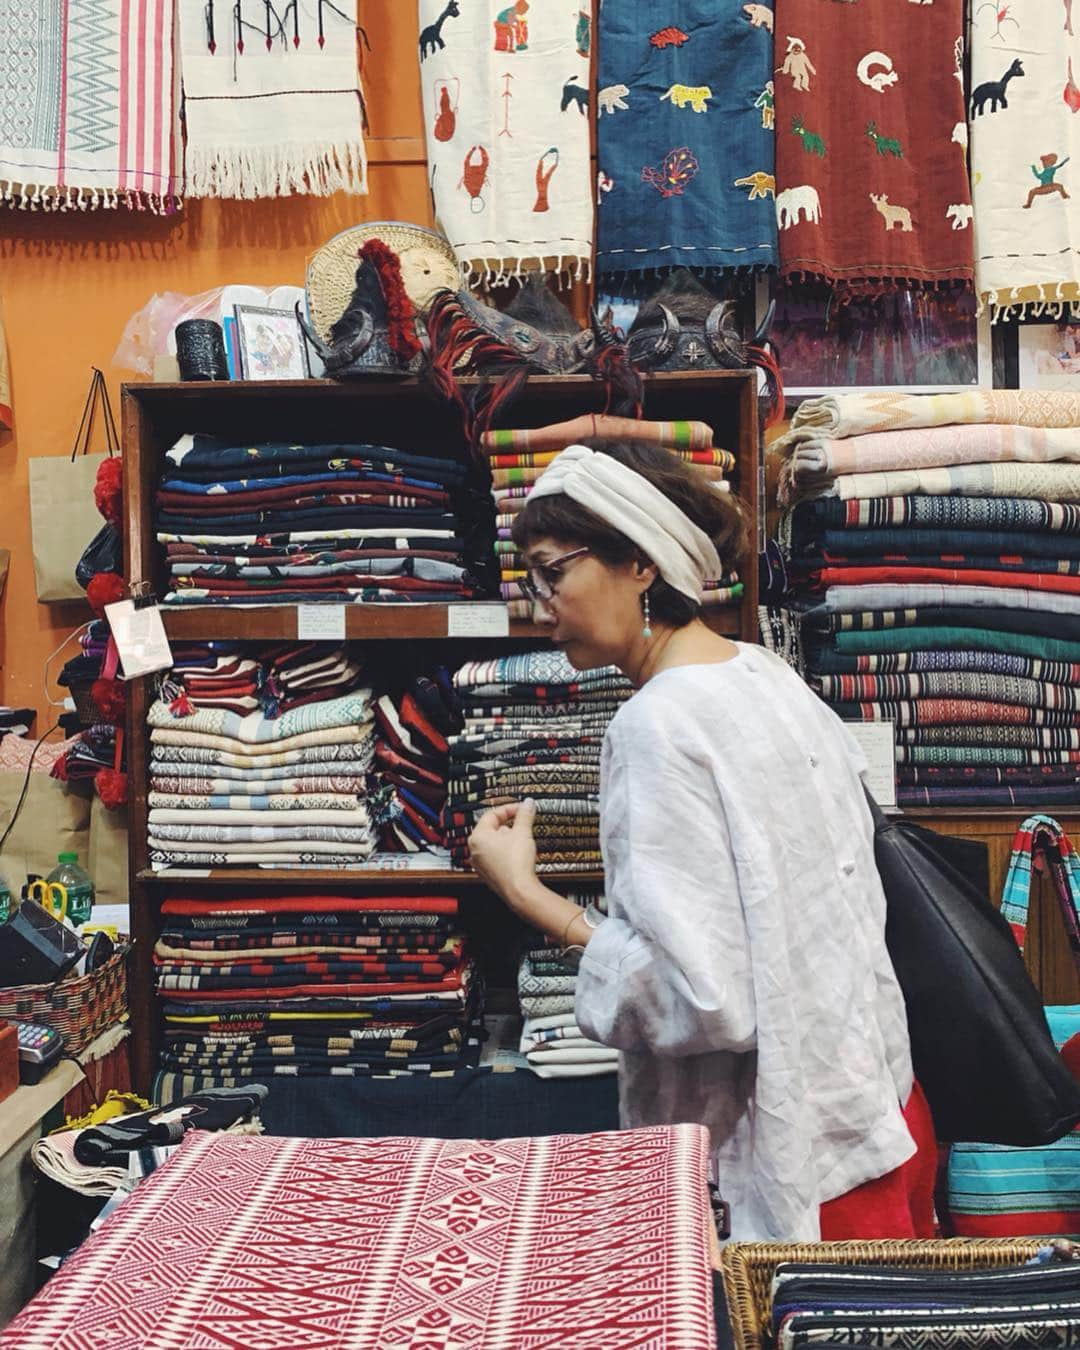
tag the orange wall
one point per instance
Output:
(69, 282)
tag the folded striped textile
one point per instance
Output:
(350, 758)
(829, 662)
(355, 741)
(958, 639)
(1017, 737)
(350, 710)
(940, 616)
(278, 803)
(1058, 585)
(593, 426)
(1027, 591)
(926, 712)
(809, 517)
(1040, 551)
(1050, 482)
(815, 462)
(982, 775)
(648, 1215)
(1028, 693)
(182, 784)
(835, 416)
(997, 755)
(1055, 796)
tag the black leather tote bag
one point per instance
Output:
(980, 1043)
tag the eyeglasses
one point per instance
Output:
(542, 579)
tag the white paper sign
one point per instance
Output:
(320, 623)
(477, 620)
(140, 638)
(877, 740)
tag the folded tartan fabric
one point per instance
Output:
(395, 1205)
(1000, 688)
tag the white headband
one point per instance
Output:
(683, 553)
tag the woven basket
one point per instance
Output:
(88, 712)
(748, 1268)
(80, 1007)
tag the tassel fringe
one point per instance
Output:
(246, 172)
(47, 197)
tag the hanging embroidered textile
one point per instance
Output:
(685, 138)
(5, 380)
(1024, 131)
(87, 106)
(566, 1241)
(872, 190)
(505, 87)
(272, 99)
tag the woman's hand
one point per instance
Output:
(503, 851)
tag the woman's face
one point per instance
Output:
(594, 613)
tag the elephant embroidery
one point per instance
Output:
(796, 201)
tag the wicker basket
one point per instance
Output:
(80, 1007)
(748, 1268)
(88, 711)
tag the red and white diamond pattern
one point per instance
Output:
(253, 1243)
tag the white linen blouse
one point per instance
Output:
(742, 971)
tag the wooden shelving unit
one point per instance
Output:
(396, 412)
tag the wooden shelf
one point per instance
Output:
(278, 623)
(339, 877)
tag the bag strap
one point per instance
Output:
(1041, 838)
(98, 395)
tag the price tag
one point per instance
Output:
(877, 741)
(320, 623)
(477, 620)
(140, 638)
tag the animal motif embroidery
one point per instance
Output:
(669, 37)
(960, 214)
(678, 169)
(682, 94)
(960, 134)
(794, 201)
(761, 184)
(474, 172)
(512, 28)
(797, 64)
(545, 167)
(993, 91)
(1071, 94)
(892, 215)
(431, 38)
(574, 93)
(604, 184)
(881, 79)
(1001, 17)
(811, 141)
(760, 16)
(885, 145)
(612, 97)
(446, 121)
(766, 101)
(583, 33)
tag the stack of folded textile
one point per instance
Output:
(278, 523)
(412, 762)
(306, 672)
(518, 458)
(533, 727)
(81, 671)
(551, 1040)
(92, 750)
(934, 559)
(306, 985)
(244, 788)
(847, 1304)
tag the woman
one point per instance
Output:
(742, 968)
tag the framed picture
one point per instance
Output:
(270, 343)
(919, 342)
(1048, 355)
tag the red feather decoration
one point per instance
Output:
(108, 490)
(105, 588)
(111, 701)
(400, 313)
(112, 787)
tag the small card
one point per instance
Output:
(877, 740)
(140, 638)
(477, 620)
(320, 623)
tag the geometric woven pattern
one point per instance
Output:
(397, 1244)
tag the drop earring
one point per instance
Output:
(646, 632)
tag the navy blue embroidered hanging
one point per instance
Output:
(685, 140)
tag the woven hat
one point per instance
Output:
(427, 265)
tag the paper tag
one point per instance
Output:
(320, 623)
(479, 620)
(877, 741)
(140, 638)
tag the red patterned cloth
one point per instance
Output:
(870, 105)
(420, 1244)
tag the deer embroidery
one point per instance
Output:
(892, 215)
(885, 145)
(431, 38)
(993, 91)
(811, 141)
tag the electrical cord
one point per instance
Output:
(25, 786)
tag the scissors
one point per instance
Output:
(52, 896)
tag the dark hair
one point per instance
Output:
(719, 514)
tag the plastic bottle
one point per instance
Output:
(79, 885)
(6, 905)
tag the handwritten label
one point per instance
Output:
(320, 623)
(479, 620)
(877, 740)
